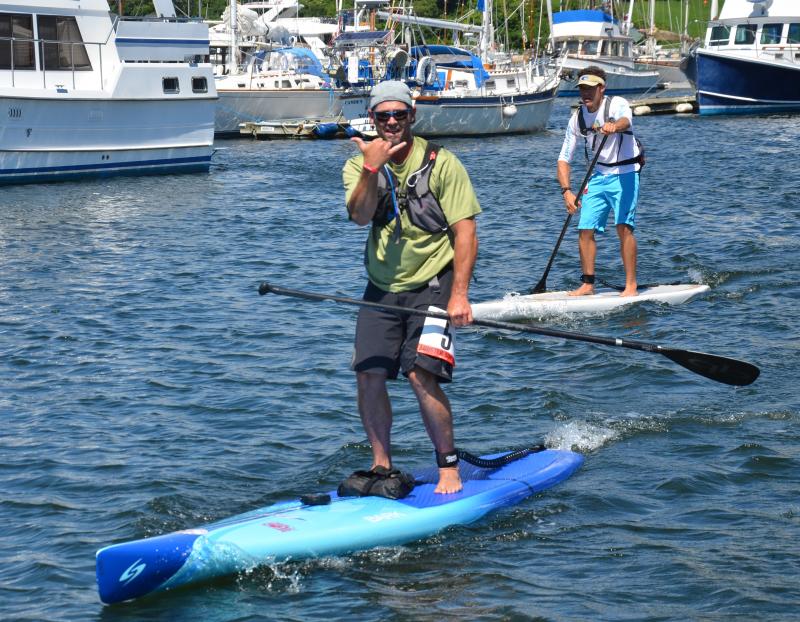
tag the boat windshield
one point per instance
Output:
(771, 33)
(745, 34)
(720, 35)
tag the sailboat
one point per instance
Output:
(666, 61)
(280, 81)
(461, 93)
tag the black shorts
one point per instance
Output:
(388, 341)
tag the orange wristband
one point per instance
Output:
(370, 169)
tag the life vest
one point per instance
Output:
(637, 159)
(424, 210)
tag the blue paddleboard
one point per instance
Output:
(294, 530)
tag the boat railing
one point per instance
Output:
(789, 52)
(76, 61)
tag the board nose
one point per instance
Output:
(133, 569)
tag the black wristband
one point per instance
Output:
(447, 459)
(564, 191)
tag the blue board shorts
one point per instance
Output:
(388, 341)
(607, 192)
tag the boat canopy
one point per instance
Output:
(585, 15)
(450, 57)
(301, 60)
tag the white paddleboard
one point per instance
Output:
(515, 307)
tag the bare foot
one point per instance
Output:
(584, 290)
(629, 291)
(449, 481)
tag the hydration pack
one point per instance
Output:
(416, 197)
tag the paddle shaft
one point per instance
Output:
(541, 286)
(718, 368)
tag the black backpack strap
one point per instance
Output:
(585, 131)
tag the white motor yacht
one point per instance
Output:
(87, 93)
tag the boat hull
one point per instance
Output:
(252, 106)
(619, 78)
(729, 84)
(47, 139)
(483, 116)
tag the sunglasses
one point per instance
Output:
(398, 115)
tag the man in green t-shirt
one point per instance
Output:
(420, 253)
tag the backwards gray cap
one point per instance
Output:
(390, 91)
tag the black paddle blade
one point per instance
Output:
(719, 368)
(539, 288)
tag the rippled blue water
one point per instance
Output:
(146, 387)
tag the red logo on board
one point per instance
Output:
(280, 526)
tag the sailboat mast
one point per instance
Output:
(487, 33)
(628, 18)
(233, 59)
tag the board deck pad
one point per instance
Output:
(292, 530)
(515, 307)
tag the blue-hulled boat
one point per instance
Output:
(750, 62)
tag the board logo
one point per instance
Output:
(280, 527)
(132, 572)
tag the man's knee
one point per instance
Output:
(370, 380)
(625, 230)
(421, 379)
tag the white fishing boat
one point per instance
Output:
(516, 307)
(88, 93)
(580, 38)
(750, 60)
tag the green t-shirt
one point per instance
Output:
(419, 255)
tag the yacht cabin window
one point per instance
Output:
(171, 85)
(16, 54)
(615, 49)
(794, 34)
(720, 35)
(590, 48)
(572, 46)
(199, 85)
(745, 34)
(61, 44)
(771, 34)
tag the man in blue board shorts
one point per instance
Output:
(421, 249)
(615, 181)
